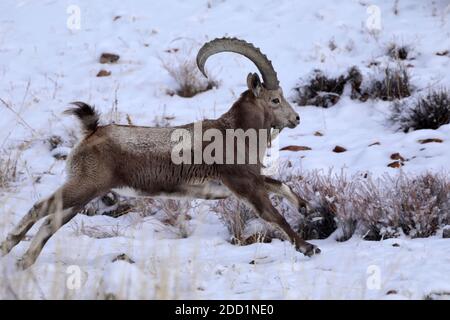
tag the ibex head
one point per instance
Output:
(268, 93)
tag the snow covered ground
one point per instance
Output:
(45, 63)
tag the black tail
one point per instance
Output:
(87, 115)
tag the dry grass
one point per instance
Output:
(376, 208)
(398, 52)
(244, 226)
(190, 81)
(394, 84)
(324, 91)
(235, 215)
(8, 169)
(426, 112)
(97, 232)
(175, 214)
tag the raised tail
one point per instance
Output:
(88, 116)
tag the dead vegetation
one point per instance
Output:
(374, 209)
(378, 208)
(109, 58)
(393, 85)
(426, 112)
(96, 232)
(8, 169)
(175, 213)
(398, 52)
(236, 216)
(324, 91)
(188, 78)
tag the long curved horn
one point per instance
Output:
(248, 50)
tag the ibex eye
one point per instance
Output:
(276, 100)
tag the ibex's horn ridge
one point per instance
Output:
(244, 48)
(87, 114)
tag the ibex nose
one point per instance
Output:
(294, 121)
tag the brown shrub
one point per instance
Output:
(393, 85)
(324, 91)
(188, 78)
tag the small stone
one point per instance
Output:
(437, 140)
(109, 58)
(395, 164)
(395, 245)
(295, 148)
(318, 134)
(397, 156)
(123, 257)
(103, 73)
(391, 292)
(442, 53)
(339, 149)
(374, 144)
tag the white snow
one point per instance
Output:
(44, 65)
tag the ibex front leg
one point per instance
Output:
(253, 191)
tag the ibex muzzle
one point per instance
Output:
(117, 157)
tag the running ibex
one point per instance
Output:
(140, 158)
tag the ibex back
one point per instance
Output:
(140, 158)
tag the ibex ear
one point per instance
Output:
(254, 84)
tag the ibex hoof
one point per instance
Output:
(310, 250)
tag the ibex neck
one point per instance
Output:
(246, 113)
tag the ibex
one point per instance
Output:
(118, 156)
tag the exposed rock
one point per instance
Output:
(295, 148)
(339, 149)
(443, 53)
(395, 164)
(109, 58)
(103, 73)
(374, 144)
(423, 141)
(392, 292)
(123, 257)
(397, 156)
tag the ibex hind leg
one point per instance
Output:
(51, 224)
(73, 196)
(255, 194)
(39, 210)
